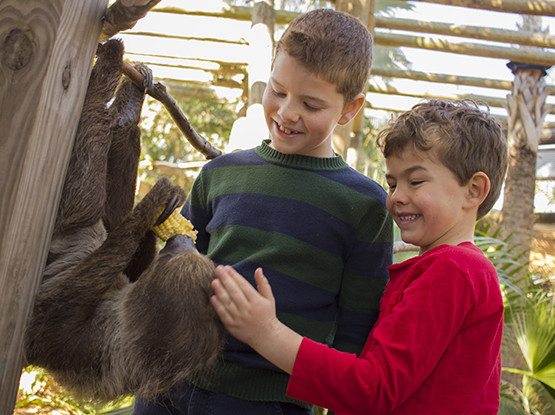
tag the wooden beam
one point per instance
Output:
(534, 7)
(385, 22)
(523, 55)
(494, 102)
(242, 13)
(237, 65)
(448, 79)
(523, 38)
(47, 54)
(440, 78)
(531, 55)
(199, 39)
(235, 68)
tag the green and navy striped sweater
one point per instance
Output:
(320, 231)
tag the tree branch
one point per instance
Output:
(159, 92)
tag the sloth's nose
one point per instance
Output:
(178, 244)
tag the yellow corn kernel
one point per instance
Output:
(175, 224)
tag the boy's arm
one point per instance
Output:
(250, 316)
(364, 280)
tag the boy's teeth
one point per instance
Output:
(408, 217)
(285, 130)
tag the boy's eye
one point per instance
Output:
(311, 107)
(416, 182)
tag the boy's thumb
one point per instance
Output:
(262, 283)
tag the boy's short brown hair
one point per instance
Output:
(333, 45)
(464, 138)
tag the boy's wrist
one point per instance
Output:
(279, 344)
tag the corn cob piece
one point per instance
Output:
(175, 224)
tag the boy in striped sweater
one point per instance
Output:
(436, 347)
(293, 206)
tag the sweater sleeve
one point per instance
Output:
(196, 210)
(406, 345)
(364, 279)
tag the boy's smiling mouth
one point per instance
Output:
(285, 130)
(404, 218)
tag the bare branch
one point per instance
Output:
(159, 92)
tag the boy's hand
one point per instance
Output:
(245, 312)
(250, 316)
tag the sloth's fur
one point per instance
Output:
(112, 316)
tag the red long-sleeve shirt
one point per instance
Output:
(434, 350)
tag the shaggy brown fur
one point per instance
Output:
(99, 333)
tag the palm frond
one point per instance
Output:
(535, 334)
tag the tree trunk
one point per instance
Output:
(45, 61)
(526, 112)
(526, 109)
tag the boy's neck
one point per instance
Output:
(465, 234)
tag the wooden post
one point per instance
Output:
(261, 45)
(249, 130)
(46, 54)
(345, 138)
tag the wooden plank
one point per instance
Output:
(45, 60)
(531, 55)
(534, 7)
(517, 37)
(514, 37)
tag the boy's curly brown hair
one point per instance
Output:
(463, 137)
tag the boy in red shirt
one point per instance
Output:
(436, 346)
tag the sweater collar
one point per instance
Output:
(271, 155)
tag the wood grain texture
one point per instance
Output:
(46, 53)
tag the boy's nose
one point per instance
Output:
(397, 196)
(288, 112)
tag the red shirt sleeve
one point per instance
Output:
(403, 350)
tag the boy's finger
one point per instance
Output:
(224, 313)
(221, 295)
(230, 284)
(241, 284)
(263, 284)
(220, 309)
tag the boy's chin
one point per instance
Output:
(276, 145)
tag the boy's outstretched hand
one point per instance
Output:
(250, 316)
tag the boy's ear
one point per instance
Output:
(477, 190)
(352, 109)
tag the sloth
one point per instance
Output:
(112, 316)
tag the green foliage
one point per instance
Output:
(530, 325)
(513, 402)
(535, 335)
(210, 116)
(162, 140)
